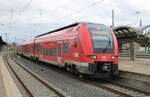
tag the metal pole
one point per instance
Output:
(139, 15)
(6, 36)
(132, 53)
(113, 18)
(145, 47)
(15, 40)
(140, 22)
(148, 48)
(120, 46)
(11, 12)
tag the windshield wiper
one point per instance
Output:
(108, 44)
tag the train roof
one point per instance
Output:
(62, 28)
(71, 25)
(29, 41)
(59, 29)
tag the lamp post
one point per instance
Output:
(113, 22)
(6, 36)
(140, 20)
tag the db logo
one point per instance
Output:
(76, 54)
(103, 57)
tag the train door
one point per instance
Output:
(59, 54)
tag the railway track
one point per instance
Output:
(136, 80)
(118, 90)
(121, 90)
(147, 56)
(53, 92)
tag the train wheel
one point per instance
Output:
(37, 59)
(67, 67)
(74, 70)
(81, 76)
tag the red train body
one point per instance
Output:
(87, 48)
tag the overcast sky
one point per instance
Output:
(26, 18)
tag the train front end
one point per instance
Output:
(102, 51)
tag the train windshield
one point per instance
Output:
(101, 38)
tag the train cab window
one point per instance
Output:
(75, 43)
(98, 29)
(66, 48)
(101, 38)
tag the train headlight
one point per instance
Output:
(92, 56)
(113, 57)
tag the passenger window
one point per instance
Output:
(43, 51)
(66, 48)
(52, 51)
(59, 49)
(46, 51)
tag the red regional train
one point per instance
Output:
(86, 48)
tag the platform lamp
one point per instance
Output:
(113, 19)
(139, 14)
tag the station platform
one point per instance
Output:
(2, 88)
(8, 86)
(139, 65)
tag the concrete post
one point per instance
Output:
(132, 52)
(145, 48)
(148, 48)
(120, 46)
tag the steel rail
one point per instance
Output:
(35, 76)
(23, 85)
(107, 87)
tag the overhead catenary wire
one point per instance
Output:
(82, 9)
(25, 7)
(78, 11)
(61, 6)
(94, 4)
(12, 19)
(12, 14)
(27, 4)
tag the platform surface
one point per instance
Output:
(8, 86)
(139, 65)
(2, 88)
